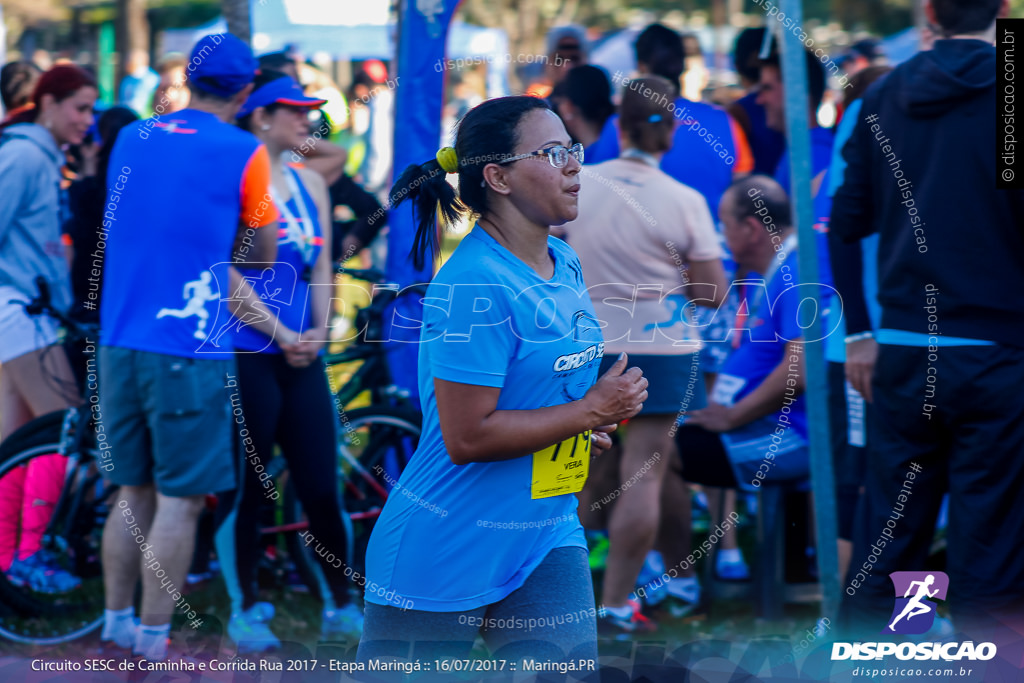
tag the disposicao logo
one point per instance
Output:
(914, 614)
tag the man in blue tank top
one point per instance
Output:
(188, 195)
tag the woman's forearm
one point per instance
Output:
(770, 396)
(508, 434)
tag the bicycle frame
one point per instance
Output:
(76, 479)
(374, 374)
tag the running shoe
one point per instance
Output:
(679, 597)
(193, 579)
(654, 567)
(249, 629)
(677, 608)
(344, 621)
(120, 632)
(151, 643)
(43, 574)
(731, 569)
(652, 592)
(620, 626)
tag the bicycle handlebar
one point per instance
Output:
(371, 275)
(377, 277)
(44, 291)
(42, 305)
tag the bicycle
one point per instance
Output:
(374, 374)
(373, 437)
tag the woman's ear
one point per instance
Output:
(496, 177)
(46, 103)
(260, 120)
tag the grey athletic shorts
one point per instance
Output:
(166, 420)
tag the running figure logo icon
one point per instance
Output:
(197, 294)
(914, 613)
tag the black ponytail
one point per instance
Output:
(425, 184)
(486, 135)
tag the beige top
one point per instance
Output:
(637, 228)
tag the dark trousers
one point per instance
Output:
(848, 461)
(291, 407)
(957, 417)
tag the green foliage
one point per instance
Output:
(164, 14)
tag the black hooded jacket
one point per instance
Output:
(921, 171)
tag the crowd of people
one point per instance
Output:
(642, 330)
(218, 145)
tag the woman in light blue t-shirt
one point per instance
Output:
(480, 535)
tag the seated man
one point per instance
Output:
(756, 402)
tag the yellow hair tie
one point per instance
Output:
(448, 160)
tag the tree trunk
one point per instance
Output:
(236, 14)
(132, 33)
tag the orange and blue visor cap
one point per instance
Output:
(285, 91)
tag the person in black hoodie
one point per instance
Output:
(949, 367)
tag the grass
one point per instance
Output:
(297, 621)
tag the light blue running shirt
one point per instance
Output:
(454, 538)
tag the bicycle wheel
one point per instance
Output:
(375, 444)
(72, 542)
(43, 429)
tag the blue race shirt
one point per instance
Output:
(284, 288)
(821, 155)
(821, 204)
(177, 190)
(457, 537)
(701, 147)
(775, 321)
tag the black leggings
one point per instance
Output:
(291, 407)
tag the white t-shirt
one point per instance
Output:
(637, 228)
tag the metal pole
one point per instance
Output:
(794, 75)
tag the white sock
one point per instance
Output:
(151, 641)
(730, 556)
(621, 612)
(119, 626)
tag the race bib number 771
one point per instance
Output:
(561, 468)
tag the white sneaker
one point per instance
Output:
(120, 632)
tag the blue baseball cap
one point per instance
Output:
(284, 90)
(221, 64)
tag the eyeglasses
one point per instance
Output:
(558, 156)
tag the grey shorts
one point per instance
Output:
(167, 420)
(676, 383)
